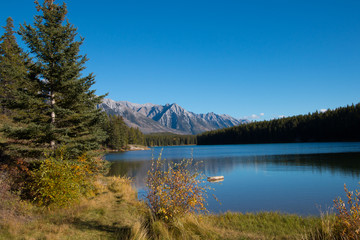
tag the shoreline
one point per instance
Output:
(130, 147)
(115, 207)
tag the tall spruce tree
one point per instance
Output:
(13, 67)
(15, 95)
(61, 107)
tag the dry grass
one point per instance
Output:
(112, 214)
(264, 225)
(260, 226)
(325, 231)
(115, 213)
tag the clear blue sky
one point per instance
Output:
(240, 58)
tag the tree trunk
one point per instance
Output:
(52, 97)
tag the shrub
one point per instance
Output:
(15, 175)
(4, 186)
(60, 181)
(176, 190)
(348, 216)
(12, 178)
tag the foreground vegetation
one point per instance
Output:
(114, 212)
(63, 198)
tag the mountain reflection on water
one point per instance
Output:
(296, 183)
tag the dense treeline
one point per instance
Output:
(169, 140)
(341, 124)
(119, 135)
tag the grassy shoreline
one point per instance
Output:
(115, 213)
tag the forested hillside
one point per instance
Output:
(341, 124)
(169, 140)
(119, 135)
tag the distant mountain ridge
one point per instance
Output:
(152, 118)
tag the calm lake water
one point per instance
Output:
(301, 178)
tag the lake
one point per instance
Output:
(300, 178)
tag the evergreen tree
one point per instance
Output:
(167, 139)
(132, 137)
(119, 135)
(16, 96)
(117, 132)
(60, 108)
(13, 66)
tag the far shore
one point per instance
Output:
(130, 147)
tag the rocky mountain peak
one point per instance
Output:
(176, 108)
(150, 118)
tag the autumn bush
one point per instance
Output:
(348, 216)
(14, 175)
(60, 180)
(5, 186)
(175, 189)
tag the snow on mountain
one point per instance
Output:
(151, 118)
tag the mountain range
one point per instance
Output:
(171, 118)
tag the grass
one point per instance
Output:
(112, 214)
(115, 213)
(265, 225)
